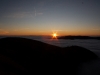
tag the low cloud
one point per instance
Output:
(96, 29)
(21, 29)
(20, 15)
(24, 14)
(2, 32)
(39, 13)
(57, 30)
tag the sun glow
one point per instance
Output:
(54, 35)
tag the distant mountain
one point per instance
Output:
(21, 56)
(78, 37)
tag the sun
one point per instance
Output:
(54, 35)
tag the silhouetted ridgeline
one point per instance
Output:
(78, 37)
(20, 56)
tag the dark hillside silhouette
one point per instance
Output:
(20, 56)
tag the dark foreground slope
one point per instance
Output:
(20, 56)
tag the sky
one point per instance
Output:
(43, 17)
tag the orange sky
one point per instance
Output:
(59, 32)
(43, 17)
